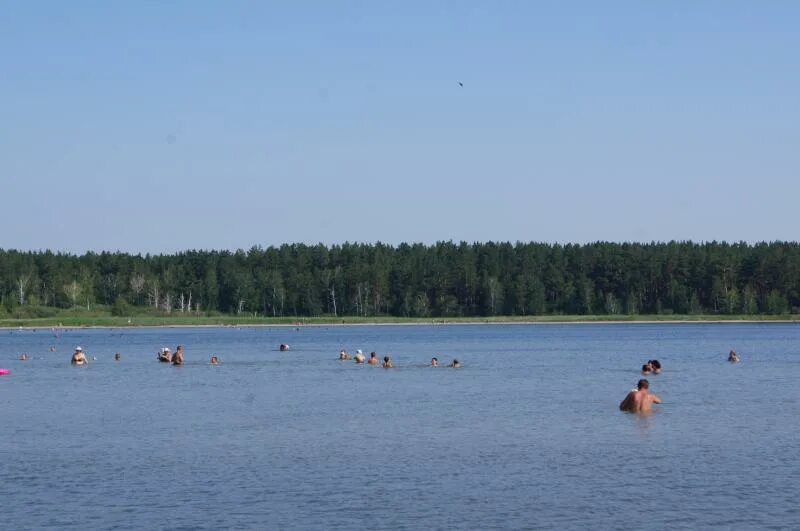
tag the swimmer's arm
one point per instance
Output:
(656, 400)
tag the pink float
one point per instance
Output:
(3, 372)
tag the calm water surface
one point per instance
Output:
(526, 435)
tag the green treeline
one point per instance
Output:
(441, 280)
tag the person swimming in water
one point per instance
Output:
(456, 364)
(23, 357)
(359, 357)
(343, 355)
(164, 355)
(387, 362)
(284, 347)
(647, 368)
(177, 358)
(214, 360)
(78, 357)
(373, 358)
(733, 357)
(117, 356)
(434, 362)
(640, 400)
(656, 365)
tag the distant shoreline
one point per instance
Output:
(230, 322)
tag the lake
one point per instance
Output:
(527, 434)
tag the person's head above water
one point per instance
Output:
(434, 361)
(117, 356)
(372, 354)
(656, 364)
(643, 384)
(386, 358)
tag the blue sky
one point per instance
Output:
(159, 126)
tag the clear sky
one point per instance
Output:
(151, 126)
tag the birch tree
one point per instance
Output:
(22, 285)
(73, 291)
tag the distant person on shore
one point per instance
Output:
(733, 357)
(343, 355)
(640, 400)
(359, 357)
(387, 362)
(23, 357)
(656, 365)
(78, 357)
(373, 358)
(165, 356)
(434, 362)
(456, 364)
(177, 358)
(214, 360)
(284, 347)
(117, 356)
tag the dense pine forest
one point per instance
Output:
(442, 280)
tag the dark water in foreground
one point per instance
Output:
(526, 435)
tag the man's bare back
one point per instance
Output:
(640, 400)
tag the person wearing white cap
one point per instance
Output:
(359, 357)
(164, 355)
(79, 358)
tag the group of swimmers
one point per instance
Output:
(640, 399)
(651, 367)
(359, 358)
(79, 357)
(165, 355)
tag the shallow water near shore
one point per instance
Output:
(526, 434)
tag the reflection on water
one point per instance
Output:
(526, 434)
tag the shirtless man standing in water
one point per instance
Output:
(177, 358)
(640, 400)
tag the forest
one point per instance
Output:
(445, 279)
